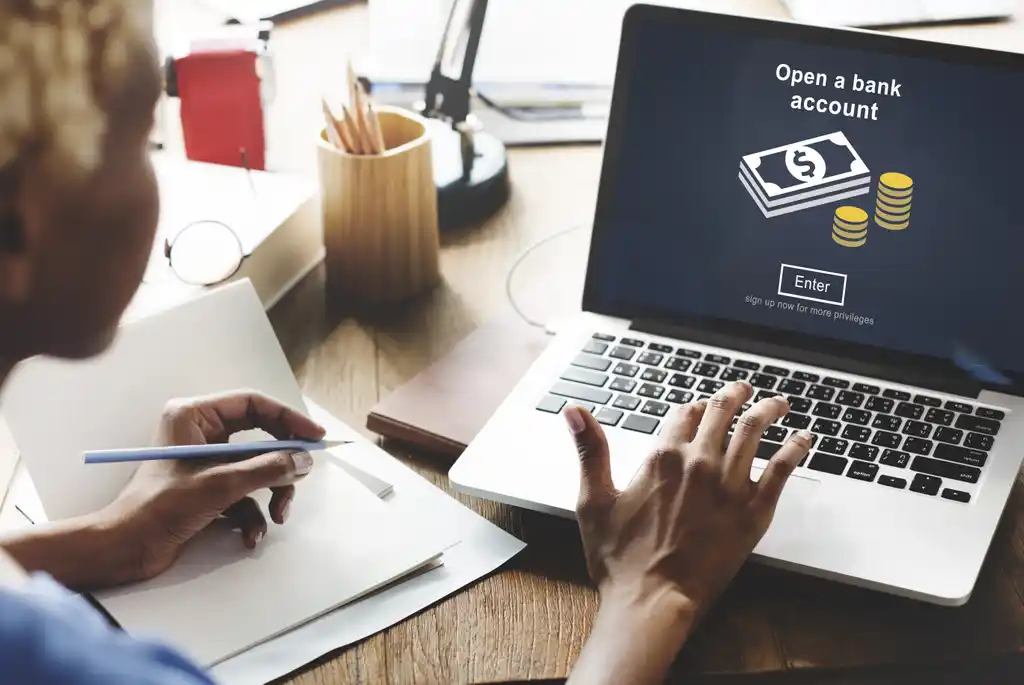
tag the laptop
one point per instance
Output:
(829, 214)
(897, 12)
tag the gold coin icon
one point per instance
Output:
(888, 199)
(850, 227)
(851, 215)
(849, 235)
(892, 218)
(849, 243)
(896, 182)
(891, 226)
(892, 209)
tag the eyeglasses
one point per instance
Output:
(203, 253)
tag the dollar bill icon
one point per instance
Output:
(804, 174)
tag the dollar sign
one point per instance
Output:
(800, 159)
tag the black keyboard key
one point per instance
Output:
(678, 364)
(833, 382)
(627, 402)
(978, 441)
(977, 425)
(595, 347)
(775, 371)
(797, 421)
(827, 411)
(800, 404)
(926, 485)
(654, 375)
(703, 398)
(655, 408)
(956, 495)
(833, 446)
(820, 392)
(892, 482)
(917, 429)
(862, 470)
(879, 404)
(710, 386)
(887, 423)
(679, 396)
(857, 433)
(850, 398)
(776, 434)
(867, 389)
(640, 424)
(651, 358)
(632, 342)
(689, 354)
(791, 387)
(918, 446)
(651, 390)
(899, 395)
(953, 436)
(828, 463)
(626, 370)
(928, 400)
(763, 395)
(604, 336)
(960, 407)
(551, 404)
(762, 380)
(766, 450)
(624, 353)
(826, 427)
(987, 413)
(939, 416)
(732, 374)
(680, 381)
(609, 417)
(945, 469)
(716, 359)
(804, 376)
(578, 375)
(658, 347)
(895, 458)
(745, 364)
(909, 411)
(581, 392)
(705, 369)
(589, 361)
(863, 452)
(960, 455)
(622, 385)
(885, 439)
(857, 417)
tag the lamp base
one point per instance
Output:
(464, 199)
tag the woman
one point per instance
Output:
(78, 211)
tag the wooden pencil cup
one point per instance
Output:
(380, 216)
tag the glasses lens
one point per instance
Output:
(206, 253)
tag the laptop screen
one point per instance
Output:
(839, 186)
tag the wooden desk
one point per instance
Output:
(530, 620)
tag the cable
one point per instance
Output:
(518, 262)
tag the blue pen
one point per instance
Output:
(239, 450)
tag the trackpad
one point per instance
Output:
(802, 514)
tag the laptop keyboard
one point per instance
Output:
(927, 445)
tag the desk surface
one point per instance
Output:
(530, 620)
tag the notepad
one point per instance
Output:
(340, 542)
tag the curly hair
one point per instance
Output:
(60, 62)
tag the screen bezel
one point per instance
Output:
(833, 37)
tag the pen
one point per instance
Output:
(240, 450)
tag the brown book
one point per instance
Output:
(442, 409)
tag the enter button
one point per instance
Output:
(812, 284)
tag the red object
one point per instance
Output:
(222, 108)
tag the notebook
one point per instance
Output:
(340, 543)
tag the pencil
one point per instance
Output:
(214, 451)
(364, 125)
(346, 135)
(378, 137)
(331, 126)
(352, 127)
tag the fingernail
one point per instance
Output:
(573, 417)
(806, 435)
(259, 536)
(303, 462)
(285, 511)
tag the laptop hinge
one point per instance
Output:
(923, 378)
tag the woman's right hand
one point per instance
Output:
(690, 518)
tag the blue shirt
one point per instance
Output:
(50, 635)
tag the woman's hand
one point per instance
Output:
(662, 550)
(167, 503)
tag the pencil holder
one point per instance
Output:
(380, 216)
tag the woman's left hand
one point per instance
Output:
(167, 503)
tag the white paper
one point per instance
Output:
(484, 548)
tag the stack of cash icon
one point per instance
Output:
(850, 227)
(892, 211)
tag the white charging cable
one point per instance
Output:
(518, 262)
